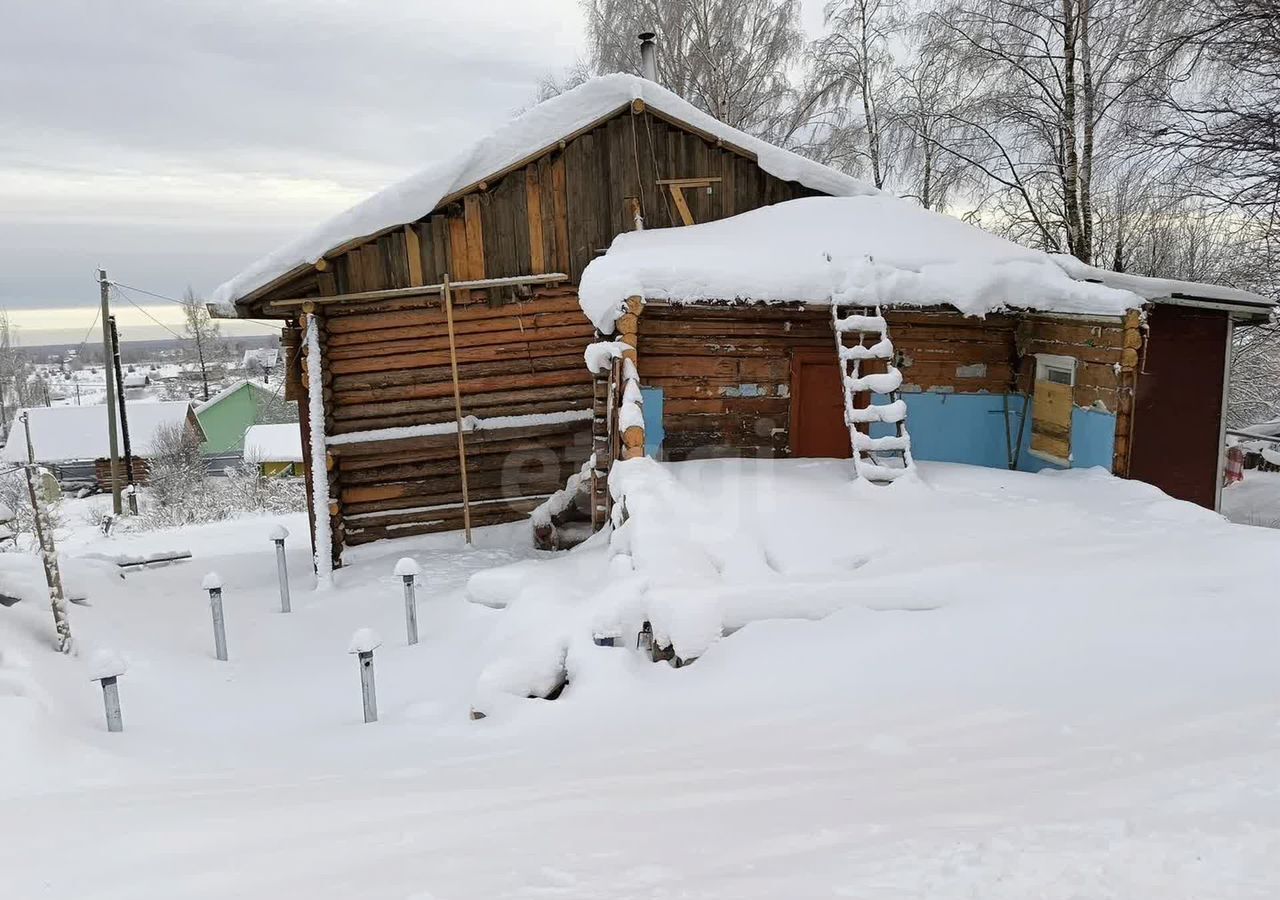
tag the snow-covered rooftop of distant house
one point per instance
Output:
(863, 250)
(224, 394)
(274, 443)
(264, 356)
(65, 433)
(534, 130)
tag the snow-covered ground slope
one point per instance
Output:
(1021, 686)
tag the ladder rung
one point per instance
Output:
(893, 442)
(879, 383)
(881, 349)
(875, 324)
(876, 472)
(888, 412)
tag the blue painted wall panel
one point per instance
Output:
(653, 431)
(970, 428)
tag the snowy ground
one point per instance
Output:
(1254, 501)
(1021, 686)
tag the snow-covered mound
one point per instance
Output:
(712, 546)
(535, 130)
(868, 250)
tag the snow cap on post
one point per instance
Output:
(279, 533)
(212, 582)
(407, 567)
(364, 640)
(106, 664)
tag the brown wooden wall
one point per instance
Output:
(725, 370)
(387, 365)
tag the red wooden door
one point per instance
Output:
(817, 407)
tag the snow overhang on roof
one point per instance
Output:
(1169, 290)
(862, 250)
(524, 138)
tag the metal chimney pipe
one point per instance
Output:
(648, 56)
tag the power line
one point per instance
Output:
(117, 284)
(140, 309)
(183, 303)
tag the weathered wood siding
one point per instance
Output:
(725, 370)
(387, 365)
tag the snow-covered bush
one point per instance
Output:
(183, 493)
(177, 478)
(248, 489)
(15, 496)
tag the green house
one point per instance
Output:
(227, 415)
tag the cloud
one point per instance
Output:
(175, 142)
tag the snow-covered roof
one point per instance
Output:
(264, 356)
(535, 130)
(1160, 288)
(226, 392)
(65, 433)
(867, 250)
(274, 443)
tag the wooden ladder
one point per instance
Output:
(880, 460)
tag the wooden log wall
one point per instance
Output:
(725, 370)
(1107, 353)
(1098, 346)
(388, 366)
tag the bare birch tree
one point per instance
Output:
(730, 58)
(202, 331)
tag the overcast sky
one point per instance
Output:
(174, 141)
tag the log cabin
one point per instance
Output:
(403, 365)
(823, 326)
(436, 331)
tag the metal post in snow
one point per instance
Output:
(213, 584)
(363, 643)
(407, 569)
(107, 668)
(278, 534)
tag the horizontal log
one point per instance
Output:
(508, 511)
(367, 321)
(473, 438)
(569, 443)
(506, 346)
(563, 454)
(367, 500)
(513, 322)
(476, 402)
(477, 385)
(467, 372)
(401, 421)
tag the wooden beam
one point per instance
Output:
(413, 251)
(691, 182)
(425, 289)
(677, 194)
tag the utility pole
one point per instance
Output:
(124, 418)
(103, 288)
